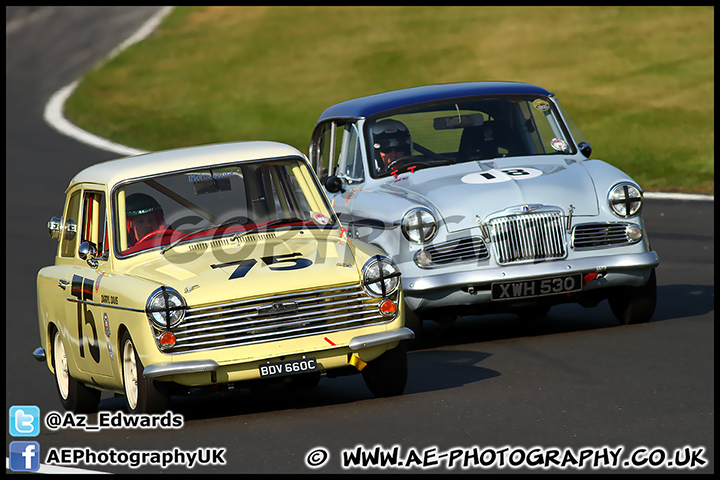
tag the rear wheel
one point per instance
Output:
(635, 304)
(74, 396)
(386, 376)
(142, 395)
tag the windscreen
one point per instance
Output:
(217, 201)
(462, 131)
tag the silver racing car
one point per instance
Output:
(488, 199)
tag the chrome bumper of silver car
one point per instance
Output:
(448, 289)
(612, 263)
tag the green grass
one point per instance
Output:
(639, 81)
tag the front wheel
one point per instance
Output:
(142, 395)
(74, 396)
(635, 304)
(386, 376)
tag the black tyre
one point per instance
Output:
(386, 376)
(635, 304)
(142, 395)
(74, 396)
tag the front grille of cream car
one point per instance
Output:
(528, 237)
(279, 317)
(593, 235)
(457, 251)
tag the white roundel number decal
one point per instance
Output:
(497, 176)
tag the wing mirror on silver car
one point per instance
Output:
(585, 149)
(333, 184)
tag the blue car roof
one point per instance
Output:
(381, 102)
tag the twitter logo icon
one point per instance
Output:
(24, 421)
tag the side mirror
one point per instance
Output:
(88, 251)
(55, 227)
(334, 185)
(585, 149)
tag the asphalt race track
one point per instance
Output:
(489, 390)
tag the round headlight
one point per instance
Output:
(381, 277)
(625, 199)
(165, 308)
(419, 225)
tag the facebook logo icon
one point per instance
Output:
(24, 421)
(24, 456)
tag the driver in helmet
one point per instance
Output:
(391, 141)
(144, 215)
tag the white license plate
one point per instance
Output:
(290, 367)
(537, 288)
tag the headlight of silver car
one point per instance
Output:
(625, 199)
(381, 277)
(165, 308)
(419, 225)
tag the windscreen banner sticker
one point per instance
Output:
(210, 182)
(498, 176)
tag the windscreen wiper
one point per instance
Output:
(273, 223)
(200, 230)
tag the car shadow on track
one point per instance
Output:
(437, 360)
(674, 302)
(428, 371)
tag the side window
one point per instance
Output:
(68, 242)
(94, 227)
(325, 150)
(351, 159)
(578, 136)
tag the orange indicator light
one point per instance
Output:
(167, 339)
(388, 307)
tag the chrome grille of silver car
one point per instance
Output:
(534, 236)
(455, 251)
(279, 317)
(592, 235)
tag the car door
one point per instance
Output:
(83, 319)
(337, 152)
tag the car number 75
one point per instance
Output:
(82, 289)
(292, 261)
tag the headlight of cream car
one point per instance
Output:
(625, 199)
(381, 277)
(165, 308)
(419, 225)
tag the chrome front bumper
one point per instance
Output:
(446, 289)
(199, 366)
